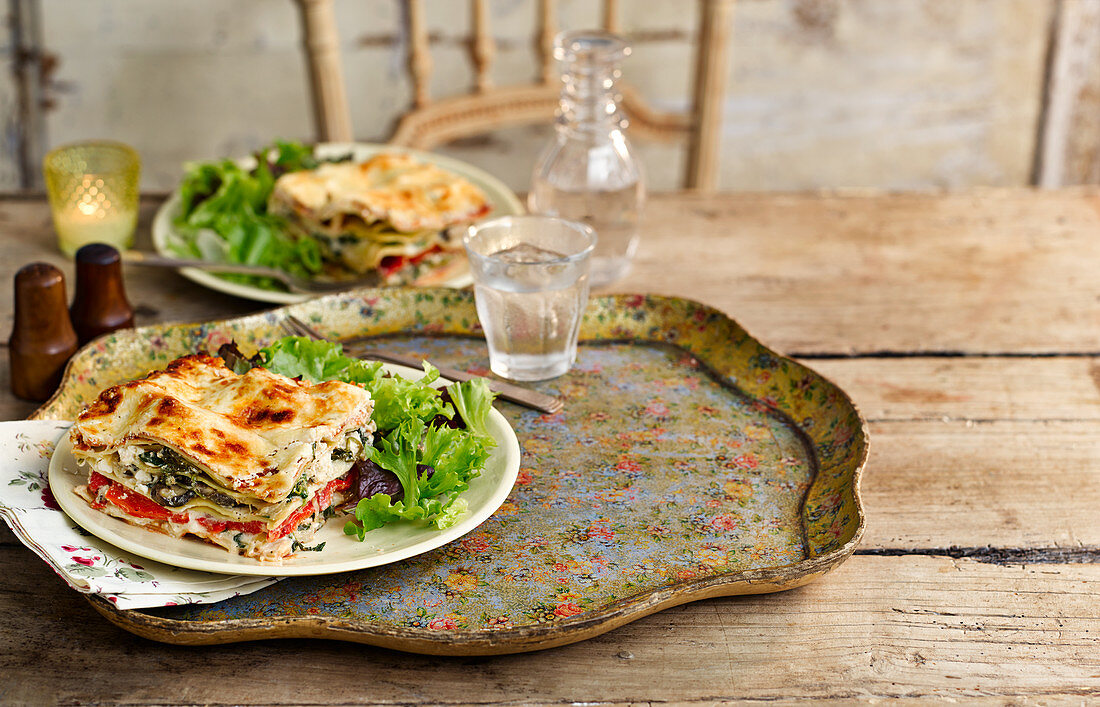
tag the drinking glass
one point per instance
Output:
(93, 190)
(531, 287)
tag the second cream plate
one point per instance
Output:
(502, 199)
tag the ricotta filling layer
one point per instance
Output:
(196, 504)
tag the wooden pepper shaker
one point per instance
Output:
(99, 302)
(42, 338)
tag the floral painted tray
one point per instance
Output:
(690, 462)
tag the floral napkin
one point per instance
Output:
(83, 561)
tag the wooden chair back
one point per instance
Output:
(430, 122)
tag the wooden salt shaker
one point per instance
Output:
(99, 302)
(42, 338)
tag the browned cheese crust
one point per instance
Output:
(252, 433)
(396, 188)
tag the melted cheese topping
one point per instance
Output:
(252, 434)
(405, 195)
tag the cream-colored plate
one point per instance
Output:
(341, 553)
(503, 200)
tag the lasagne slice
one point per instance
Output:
(250, 462)
(392, 214)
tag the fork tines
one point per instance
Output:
(299, 328)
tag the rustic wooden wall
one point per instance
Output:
(18, 135)
(9, 122)
(896, 94)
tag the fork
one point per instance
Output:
(521, 396)
(294, 283)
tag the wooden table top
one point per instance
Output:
(967, 329)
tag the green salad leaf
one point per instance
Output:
(399, 452)
(433, 462)
(223, 214)
(397, 399)
(473, 400)
(372, 513)
(317, 361)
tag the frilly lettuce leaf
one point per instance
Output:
(407, 440)
(317, 361)
(220, 200)
(473, 400)
(397, 399)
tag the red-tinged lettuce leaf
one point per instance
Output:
(434, 464)
(399, 452)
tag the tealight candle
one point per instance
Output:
(93, 190)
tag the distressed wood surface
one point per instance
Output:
(1000, 451)
(991, 271)
(1005, 271)
(970, 391)
(965, 327)
(876, 627)
(1031, 485)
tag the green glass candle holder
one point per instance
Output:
(93, 190)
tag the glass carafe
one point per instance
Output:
(589, 172)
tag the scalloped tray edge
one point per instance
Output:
(471, 643)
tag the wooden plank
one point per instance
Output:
(992, 271)
(916, 627)
(985, 271)
(976, 452)
(1005, 484)
(971, 390)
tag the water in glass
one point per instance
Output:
(530, 301)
